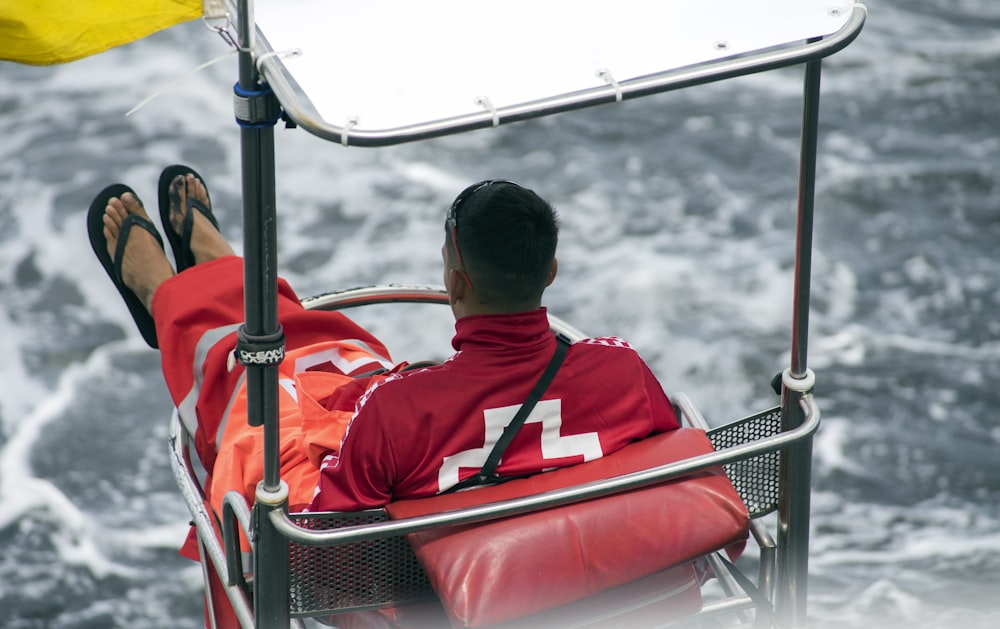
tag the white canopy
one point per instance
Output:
(397, 66)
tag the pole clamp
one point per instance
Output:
(260, 351)
(256, 109)
(804, 384)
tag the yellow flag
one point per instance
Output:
(43, 32)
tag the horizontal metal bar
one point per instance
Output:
(271, 69)
(379, 294)
(416, 294)
(553, 498)
(717, 608)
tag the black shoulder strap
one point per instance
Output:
(488, 473)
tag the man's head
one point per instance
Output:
(499, 252)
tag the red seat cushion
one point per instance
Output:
(647, 602)
(499, 571)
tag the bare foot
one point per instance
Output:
(144, 265)
(206, 241)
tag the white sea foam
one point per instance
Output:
(21, 492)
(681, 245)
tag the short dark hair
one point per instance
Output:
(507, 236)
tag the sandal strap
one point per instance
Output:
(130, 221)
(204, 209)
(188, 226)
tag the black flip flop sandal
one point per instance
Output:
(95, 229)
(180, 244)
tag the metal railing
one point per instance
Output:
(553, 498)
(737, 444)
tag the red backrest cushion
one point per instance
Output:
(506, 569)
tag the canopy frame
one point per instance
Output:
(301, 111)
(257, 66)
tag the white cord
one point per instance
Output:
(293, 52)
(169, 85)
(283, 54)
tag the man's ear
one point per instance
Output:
(553, 272)
(456, 285)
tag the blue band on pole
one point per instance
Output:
(256, 109)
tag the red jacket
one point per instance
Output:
(408, 434)
(417, 433)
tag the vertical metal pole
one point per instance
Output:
(271, 580)
(804, 235)
(260, 299)
(796, 462)
(260, 258)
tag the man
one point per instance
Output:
(351, 441)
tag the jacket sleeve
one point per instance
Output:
(662, 410)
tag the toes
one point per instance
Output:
(114, 215)
(176, 187)
(110, 235)
(184, 186)
(112, 226)
(131, 204)
(196, 187)
(178, 198)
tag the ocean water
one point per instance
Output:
(678, 213)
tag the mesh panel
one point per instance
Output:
(756, 480)
(354, 576)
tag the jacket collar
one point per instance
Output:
(501, 331)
